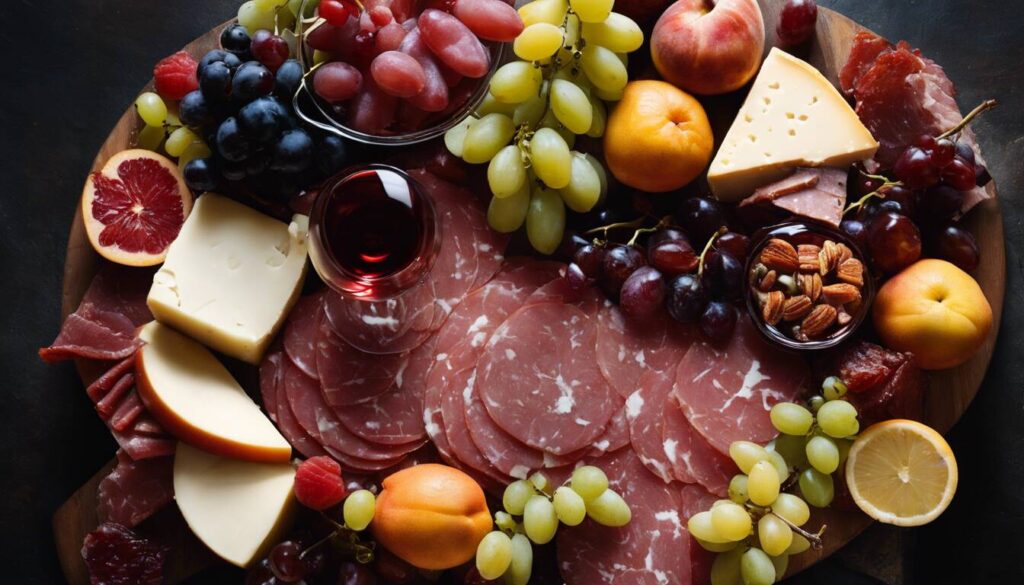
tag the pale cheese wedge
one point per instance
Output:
(792, 117)
(194, 397)
(237, 508)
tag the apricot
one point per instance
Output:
(431, 516)
(658, 137)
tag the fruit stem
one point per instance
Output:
(876, 194)
(985, 105)
(707, 248)
(663, 222)
(603, 230)
(813, 538)
(318, 544)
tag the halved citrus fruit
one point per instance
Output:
(901, 472)
(134, 207)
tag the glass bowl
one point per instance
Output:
(316, 112)
(785, 333)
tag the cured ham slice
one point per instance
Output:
(273, 365)
(726, 392)
(818, 193)
(692, 458)
(135, 490)
(300, 334)
(644, 411)
(349, 376)
(457, 432)
(615, 437)
(625, 352)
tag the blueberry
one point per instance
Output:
(215, 82)
(218, 56)
(252, 80)
(331, 154)
(200, 175)
(235, 39)
(193, 110)
(293, 152)
(289, 76)
(231, 144)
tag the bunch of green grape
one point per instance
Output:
(163, 131)
(508, 551)
(572, 60)
(272, 15)
(757, 528)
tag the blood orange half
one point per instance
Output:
(134, 207)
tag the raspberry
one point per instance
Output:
(318, 483)
(175, 76)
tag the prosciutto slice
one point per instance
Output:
(135, 490)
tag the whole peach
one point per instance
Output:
(709, 47)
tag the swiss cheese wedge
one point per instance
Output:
(793, 117)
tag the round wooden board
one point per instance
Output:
(951, 391)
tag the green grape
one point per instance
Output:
(540, 481)
(545, 220)
(815, 402)
(838, 418)
(833, 388)
(731, 521)
(618, 33)
(716, 546)
(550, 158)
(592, 10)
(506, 215)
(173, 122)
(725, 569)
(269, 5)
(601, 175)
(504, 521)
(738, 489)
(455, 138)
(549, 11)
(572, 27)
(589, 482)
(571, 106)
(779, 463)
(506, 172)
(746, 454)
(253, 19)
(781, 563)
(151, 137)
(539, 519)
(295, 5)
(609, 509)
(494, 555)
(491, 105)
(756, 568)
(584, 188)
(816, 488)
(530, 112)
(538, 41)
(799, 545)
(774, 535)
(515, 82)
(151, 108)
(516, 495)
(179, 140)
(521, 568)
(600, 118)
(610, 95)
(791, 448)
(791, 419)
(701, 528)
(194, 151)
(569, 506)
(823, 454)
(604, 69)
(358, 509)
(792, 508)
(763, 483)
(486, 137)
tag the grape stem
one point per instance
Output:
(985, 105)
(604, 229)
(707, 248)
(663, 222)
(813, 538)
(878, 193)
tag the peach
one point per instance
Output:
(709, 47)
(935, 311)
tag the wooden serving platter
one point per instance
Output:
(951, 391)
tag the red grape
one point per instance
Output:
(905, 197)
(916, 168)
(718, 321)
(701, 217)
(943, 152)
(856, 230)
(381, 15)
(269, 49)
(724, 275)
(964, 151)
(589, 258)
(673, 257)
(894, 241)
(734, 243)
(687, 298)
(286, 562)
(616, 266)
(960, 175)
(957, 245)
(942, 202)
(575, 278)
(337, 81)
(260, 574)
(398, 74)
(642, 294)
(334, 12)
(667, 234)
(796, 24)
(351, 573)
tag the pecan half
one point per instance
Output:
(811, 286)
(845, 253)
(774, 304)
(851, 271)
(767, 281)
(781, 256)
(828, 257)
(840, 294)
(808, 255)
(796, 308)
(817, 322)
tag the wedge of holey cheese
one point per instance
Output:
(793, 117)
(231, 277)
(197, 400)
(239, 509)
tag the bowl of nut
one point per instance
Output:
(807, 286)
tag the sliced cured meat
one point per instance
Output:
(135, 490)
(558, 290)
(393, 418)
(625, 352)
(128, 411)
(692, 458)
(502, 450)
(645, 411)
(726, 392)
(460, 441)
(383, 327)
(816, 193)
(883, 384)
(139, 445)
(287, 422)
(433, 417)
(539, 379)
(615, 437)
(270, 369)
(120, 289)
(102, 385)
(349, 376)
(105, 336)
(695, 500)
(300, 334)
(109, 404)
(653, 549)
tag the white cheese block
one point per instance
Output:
(793, 117)
(197, 400)
(231, 277)
(237, 508)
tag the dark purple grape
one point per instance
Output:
(724, 275)
(796, 24)
(734, 243)
(672, 257)
(701, 217)
(616, 266)
(687, 297)
(984, 177)
(575, 278)
(856, 230)
(960, 175)
(891, 205)
(643, 294)
(964, 151)
(351, 573)
(941, 202)
(956, 245)
(905, 197)
(589, 258)
(718, 321)
(286, 562)
(916, 168)
(260, 574)
(667, 234)
(894, 242)
(943, 152)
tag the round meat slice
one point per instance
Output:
(287, 423)
(727, 392)
(463, 448)
(692, 459)
(388, 326)
(300, 333)
(653, 549)
(393, 418)
(539, 380)
(645, 410)
(270, 372)
(626, 351)
(349, 376)
(502, 450)
(615, 437)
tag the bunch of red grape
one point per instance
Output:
(695, 285)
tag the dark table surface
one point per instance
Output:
(74, 65)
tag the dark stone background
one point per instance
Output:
(72, 66)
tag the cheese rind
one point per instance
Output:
(237, 508)
(792, 117)
(231, 277)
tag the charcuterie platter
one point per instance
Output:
(684, 350)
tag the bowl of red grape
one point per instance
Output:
(402, 74)
(808, 287)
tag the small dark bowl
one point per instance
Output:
(805, 233)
